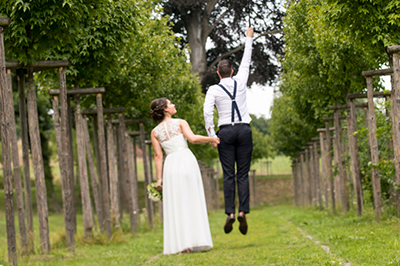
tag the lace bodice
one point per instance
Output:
(167, 130)
(170, 136)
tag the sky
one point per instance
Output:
(259, 100)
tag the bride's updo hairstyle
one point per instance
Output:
(157, 108)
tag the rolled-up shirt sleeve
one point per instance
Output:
(208, 110)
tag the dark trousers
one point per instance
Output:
(236, 147)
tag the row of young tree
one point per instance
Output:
(329, 43)
(127, 47)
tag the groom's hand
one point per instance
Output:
(249, 32)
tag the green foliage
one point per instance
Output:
(376, 22)
(322, 65)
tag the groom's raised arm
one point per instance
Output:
(244, 68)
(208, 111)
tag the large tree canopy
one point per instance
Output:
(215, 29)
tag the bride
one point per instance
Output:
(186, 227)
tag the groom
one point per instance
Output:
(236, 144)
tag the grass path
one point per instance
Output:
(271, 240)
(278, 235)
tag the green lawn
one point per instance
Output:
(274, 238)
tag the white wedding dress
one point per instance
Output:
(185, 213)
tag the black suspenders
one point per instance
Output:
(234, 104)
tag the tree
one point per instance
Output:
(222, 24)
(314, 77)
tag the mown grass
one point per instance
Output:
(273, 239)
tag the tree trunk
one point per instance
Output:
(71, 176)
(317, 175)
(6, 154)
(330, 179)
(149, 203)
(373, 143)
(355, 166)
(87, 211)
(197, 44)
(40, 185)
(103, 165)
(25, 159)
(339, 163)
(133, 182)
(93, 177)
(396, 123)
(15, 162)
(112, 175)
(124, 171)
(64, 162)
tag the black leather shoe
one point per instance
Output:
(243, 223)
(228, 224)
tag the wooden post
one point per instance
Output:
(149, 203)
(338, 161)
(302, 180)
(317, 174)
(93, 177)
(25, 159)
(295, 183)
(324, 186)
(308, 179)
(83, 175)
(15, 162)
(312, 176)
(355, 166)
(331, 181)
(111, 174)
(376, 183)
(36, 151)
(396, 123)
(71, 176)
(64, 162)
(134, 184)
(103, 165)
(6, 154)
(124, 171)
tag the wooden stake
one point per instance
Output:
(25, 159)
(6, 154)
(15, 163)
(330, 181)
(64, 162)
(103, 165)
(396, 122)
(87, 211)
(355, 165)
(373, 140)
(338, 161)
(147, 179)
(112, 175)
(93, 176)
(36, 150)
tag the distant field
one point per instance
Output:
(280, 165)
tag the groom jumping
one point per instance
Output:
(236, 144)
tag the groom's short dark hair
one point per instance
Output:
(225, 68)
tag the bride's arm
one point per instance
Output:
(195, 139)
(158, 158)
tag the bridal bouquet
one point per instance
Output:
(154, 193)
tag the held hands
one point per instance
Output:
(249, 32)
(214, 142)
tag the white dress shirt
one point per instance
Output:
(218, 97)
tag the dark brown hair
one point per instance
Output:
(225, 68)
(157, 108)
